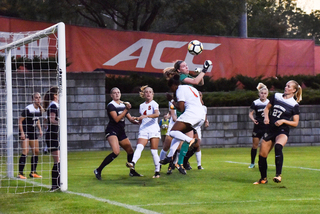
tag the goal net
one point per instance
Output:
(31, 62)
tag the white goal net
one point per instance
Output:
(31, 62)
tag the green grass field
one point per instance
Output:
(224, 186)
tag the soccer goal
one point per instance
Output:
(31, 62)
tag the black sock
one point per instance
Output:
(129, 157)
(253, 155)
(279, 158)
(188, 156)
(263, 166)
(106, 161)
(34, 163)
(55, 174)
(22, 163)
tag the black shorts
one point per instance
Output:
(52, 141)
(258, 131)
(30, 135)
(272, 134)
(120, 133)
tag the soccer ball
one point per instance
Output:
(195, 47)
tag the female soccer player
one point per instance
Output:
(281, 107)
(149, 129)
(51, 104)
(193, 116)
(257, 108)
(115, 133)
(28, 122)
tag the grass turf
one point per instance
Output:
(224, 186)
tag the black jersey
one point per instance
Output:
(31, 115)
(53, 107)
(282, 109)
(118, 108)
(258, 106)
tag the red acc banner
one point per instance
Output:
(90, 49)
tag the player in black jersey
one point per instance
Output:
(115, 133)
(51, 104)
(28, 122)
(279, 111)
(257, 108)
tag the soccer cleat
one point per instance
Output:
(34, 175)
(181, 169)
(156, 175)
(21, 176)
(192, 143)
(277, 179)
(261, 181)
(200, 167)
(97, 174)
(169, 172)
(187, 166)
(133, 173)
(166, 160)
(130, 165)
(251, 166)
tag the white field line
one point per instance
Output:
(294, 167)
(127, 206)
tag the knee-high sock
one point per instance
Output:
(129, 157)
(106, 161)
(22, 163)
(34, 163)
(163, 154)
(156, 159)
(176, 156)
(137, 153)
(198, 157)
(180, 136)
(253, 155)
(174, 145)
(183, 152)
(263, 166)
(55, 174)
(279, 158)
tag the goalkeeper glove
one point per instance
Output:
(206, 65)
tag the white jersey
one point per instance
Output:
(191, 98)
(149, 124)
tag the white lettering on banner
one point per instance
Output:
(146, 44)
(156, 62)
(125, 55)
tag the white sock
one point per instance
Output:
(198, 157)
(137, 153)
(174, 145)
(177, 158)
(163, 154)
(180, 136)
(156, 159)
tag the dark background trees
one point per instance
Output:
(266, 18)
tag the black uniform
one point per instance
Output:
(281, 109)
(259, 129)
(52, 134)
(116, 128)
(29, 124)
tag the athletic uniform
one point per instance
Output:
(281, 109)
(116, 128)
(258, 106)
(52, 134)
(149, 127)
(29, 124)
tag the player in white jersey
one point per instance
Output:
(149, 129)
(193, 116)
(257, 108)
(278, 114)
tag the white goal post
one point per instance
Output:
(59, 31)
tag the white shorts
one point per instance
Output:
(149, 135)
(194, 121)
